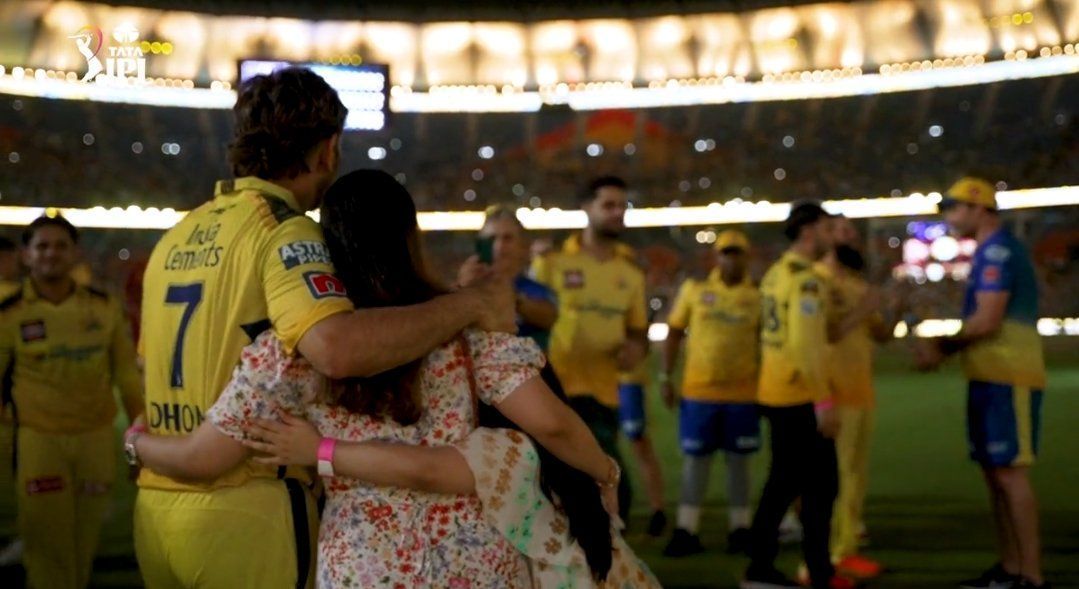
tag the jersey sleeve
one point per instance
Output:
(637, 314)
(7, 356)
(502, 363)
(807, 332)
(268, 382)
(995, 273)
(125, 371)
(682, 307)
(298, 280)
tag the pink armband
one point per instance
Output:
(824, 405)
(325, 456)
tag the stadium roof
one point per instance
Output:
(474, 10)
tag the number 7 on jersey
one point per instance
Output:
(189, 295)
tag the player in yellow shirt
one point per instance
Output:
(719, 389)
(1003, 362)
(602, 324)
(856, 322)
(793, 379)
(10, 281)
(246, 261)
(64, 347)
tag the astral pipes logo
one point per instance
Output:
(125, 60)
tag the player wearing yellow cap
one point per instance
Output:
(1002, 359)
(602, 324)
(63, 347)
(794, 397)
(856, 321)
(718, 410)
(246, 261)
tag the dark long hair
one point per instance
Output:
(369, 221)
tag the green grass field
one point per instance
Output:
(927, 510)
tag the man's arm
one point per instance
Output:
(369, 341)
(539, 313)
(984, 323)
(125, 372)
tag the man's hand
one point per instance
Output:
(670, 396)
(827, 420)
(496, 302)
(632, 353)
(927, 354)
(472, 272)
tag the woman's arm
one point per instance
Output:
(431, 469)
(202, 456)
(556, 427)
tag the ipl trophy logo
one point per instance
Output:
(124, 60)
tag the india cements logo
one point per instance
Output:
(124, 59)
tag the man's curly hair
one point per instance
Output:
(279, 118)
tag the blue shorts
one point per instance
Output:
(1003, 423)
(705, 427)
(631, 410)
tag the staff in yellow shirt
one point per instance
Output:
(246, 261)
(719, 389)
(856, 323)
(10, 281)
(602, 324)
(794, 379)
(65, 347)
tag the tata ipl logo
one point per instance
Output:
(124, 60)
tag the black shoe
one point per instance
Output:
(683, 544)
(738, 541)
(994, 578)
(767, 578)
(1025, 583)
(658, 524)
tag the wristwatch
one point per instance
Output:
(131, 454)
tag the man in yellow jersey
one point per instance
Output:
(246, 261)
(793, 379)
(602, 324)
(10, 281)
(1002, 359)
(719, 389)
(856, 322)
(63, 348)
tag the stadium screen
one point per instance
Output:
(364, 89)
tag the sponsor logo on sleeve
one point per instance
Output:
(324, 284)
(708, 298)
(32, 331)
(810, 306)
(997, 253)
(299, 253)
(991, 275)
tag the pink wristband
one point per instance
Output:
(824, 405)
(325, 456)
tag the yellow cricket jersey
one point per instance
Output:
(65, 359)
(793, 334)
(598, 302)
(8, 288)
(232, 268)
(638, 376)
(722, 345)
(850, 360)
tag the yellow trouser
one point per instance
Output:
(7, 475)
(228, 538)
(852, 449)
(63, 484)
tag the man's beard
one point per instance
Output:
(608, 233)
(850, 257)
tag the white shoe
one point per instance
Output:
(12, 553)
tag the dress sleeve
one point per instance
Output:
(502, 363)
(268, 382)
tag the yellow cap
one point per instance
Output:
(974, 191)
(732, 238)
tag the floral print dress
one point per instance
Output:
(382, 537)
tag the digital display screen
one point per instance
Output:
(364, 89)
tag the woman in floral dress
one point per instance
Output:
(376, 536)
